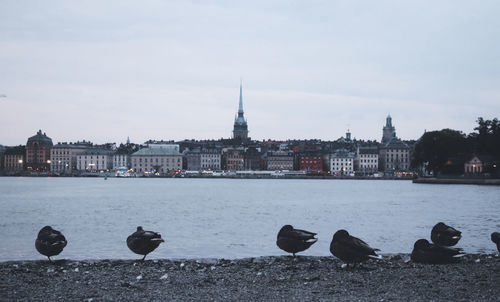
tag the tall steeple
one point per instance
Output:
(240, 130)
(389, 131)
(240, 108)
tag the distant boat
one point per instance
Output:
(122, 172)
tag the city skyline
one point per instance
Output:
(108, 71)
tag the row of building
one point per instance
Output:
(341, 157)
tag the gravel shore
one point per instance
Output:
(473, 278)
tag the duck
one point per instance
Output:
(50, 242)
(143, 242)
(351, 249)
(495, 237)
(426, 252)
(445, 235)
(294, 240)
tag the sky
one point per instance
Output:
(107, 70)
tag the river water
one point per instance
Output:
(234, 218)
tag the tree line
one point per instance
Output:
(445, 151)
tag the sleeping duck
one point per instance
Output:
(143, 242)
(426, 252)
(294, 240)
(50, 242)
(445, 235)
(495, 237)
(351, 249)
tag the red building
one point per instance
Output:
(38, 152)
(312, 162)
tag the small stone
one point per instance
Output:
(164, 277)
(139, 277)
(259, 273)
(478, 260)
(77, 270)
(212, 268)
(15, 265)
(50, 270)
(182, 265)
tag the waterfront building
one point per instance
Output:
(13, 159)
(280, 160)
(157, 159)
(210, 159)
(234, 159)
(480, 164)
(38, 152)
(366, 161)
(310, 161)
(240, 129)
(394, 154)
(63, 156)
(121, 160)
(252, 158)
(94, 160)
(342, 162)
(193, 159)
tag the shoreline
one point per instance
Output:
(475, 277)
(458, 181)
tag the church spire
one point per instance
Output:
(240, 108)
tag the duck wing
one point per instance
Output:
(359, 246)
(302, 234)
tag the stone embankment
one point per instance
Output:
(474, 278)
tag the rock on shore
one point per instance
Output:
(474, 278)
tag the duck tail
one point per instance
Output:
(378, 257)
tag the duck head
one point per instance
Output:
(139, 229)
(340, 235)
(285, 229)
(421, 244)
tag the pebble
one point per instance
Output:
(164, 277)
(139, 277)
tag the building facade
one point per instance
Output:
(13, 159)
(311, 162)
(38, 152)
(121, 160)
(94, 160)
(210, 160)
(342, 162)
(394, 156)
(240, 128)
(366, 161)
(63, 157)
(252, 158)
(234, 159)
(280, 160)
(157, 160)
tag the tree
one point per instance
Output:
(437, 149)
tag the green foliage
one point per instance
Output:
(436, 148)
(445, 151)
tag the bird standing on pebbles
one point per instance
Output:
(445, 235)
(50, 242)
(426, 252)
(294, 240)
(143, 242)
(351, 249)
(495, 237)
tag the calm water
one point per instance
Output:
(235, 218)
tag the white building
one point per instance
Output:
(366, 161)
(63, 156)
(156, 159)
(210, 160)
(342, 162)
(121, 160)
(94, 160)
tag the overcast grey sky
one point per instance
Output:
(105, 70)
